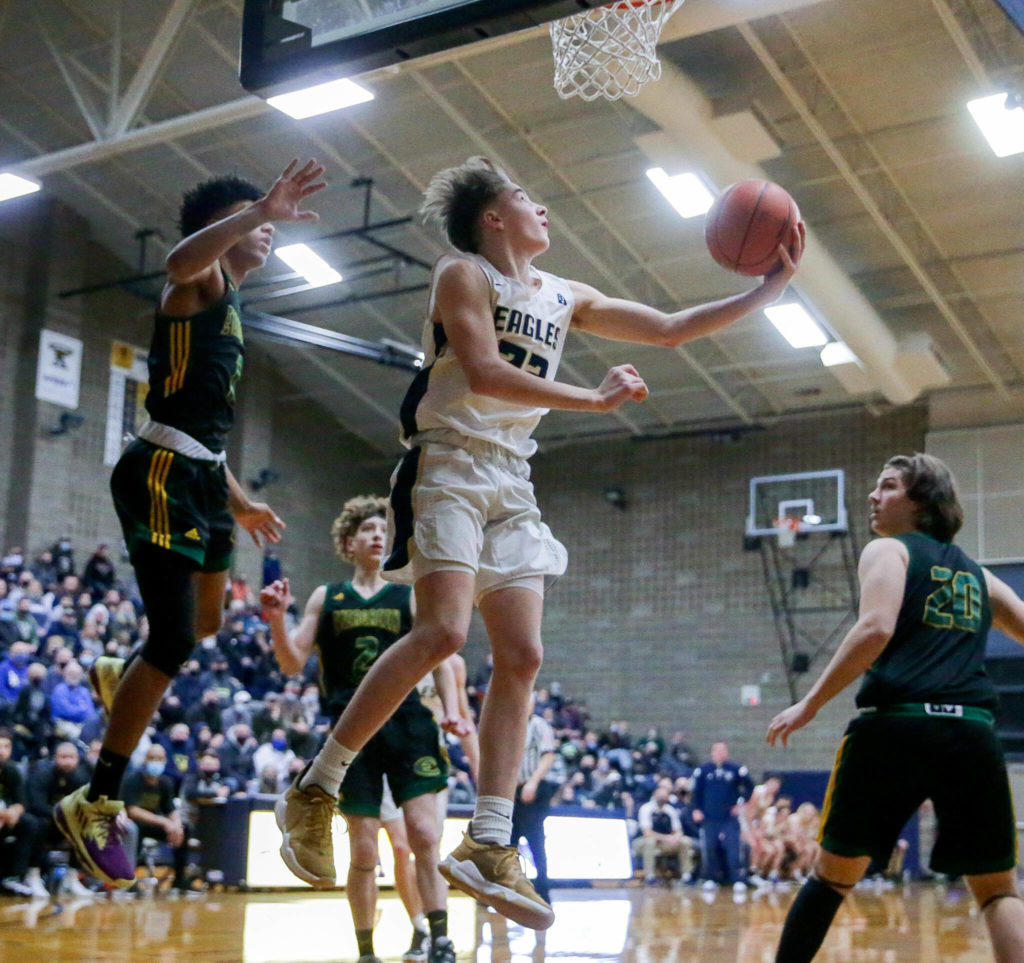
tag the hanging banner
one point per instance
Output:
(126, 399)
(59, 371)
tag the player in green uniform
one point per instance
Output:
(925, 729)
(351, 623)
(175, 498)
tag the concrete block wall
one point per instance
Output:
(662, 615)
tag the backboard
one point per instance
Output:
(291, 44)
(816, 500)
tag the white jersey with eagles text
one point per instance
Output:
(530, 323)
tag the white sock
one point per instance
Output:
(419, 922)
(329, 767)
(492, 821)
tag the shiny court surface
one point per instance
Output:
(920, 922)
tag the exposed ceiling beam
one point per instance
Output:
(149, 68)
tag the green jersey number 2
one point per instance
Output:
(956, 603)
(367, 649)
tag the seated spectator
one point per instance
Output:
(32, 719)
(186, 685)
(219, 678)
(238, 711)
(206, 785)
(275, 754)
(65, 626)
(17, 827)
(268, 717)
(205, 712)
(55, 674)
(661, 834)
(170, 713)
(63, 554)
(44, 569)
(236, 754)
(268, 782)
(71, 704)
(49, 782)
(181, 753)
(23, 624)
(14, 672)
(149, 802)
(99, 573)
(302, 740)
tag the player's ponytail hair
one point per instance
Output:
(930, 485)
(455, 197)
(353, 513)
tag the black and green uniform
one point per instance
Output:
(926, 728)
(351, 634)
(165, 498)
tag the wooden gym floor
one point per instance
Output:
(919, 922)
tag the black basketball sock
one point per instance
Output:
(106, 780)
(364, 938)
(438, 920)
(808, 921)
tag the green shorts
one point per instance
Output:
(892, 760)
(174, 502)
(408, 751)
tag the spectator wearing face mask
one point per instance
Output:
(31, 718)
(149, 802)
(181, 753)
(186, 685)
(277, 754)
(14, 672)
(236, 753)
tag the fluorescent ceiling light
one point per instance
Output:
(11, 185)
(685, 192)
(320, 99)
(311, 266)
(796, 325)
(836, 353)
(1002, 125)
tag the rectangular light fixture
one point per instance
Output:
(11, 185)
(310, 265)
(1000, 122)
(796, 325)
(310, 101)
(687, 193)
(836, 353)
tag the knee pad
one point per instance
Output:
(165, 584)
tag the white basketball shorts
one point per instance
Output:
(469, 507)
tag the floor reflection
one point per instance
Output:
(916, 922)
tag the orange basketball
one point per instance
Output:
(746, 225)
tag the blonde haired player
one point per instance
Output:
(402, 767)
(465, 524)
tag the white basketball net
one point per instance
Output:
(609, 51)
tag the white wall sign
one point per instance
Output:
(59, 371)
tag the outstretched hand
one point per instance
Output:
(261, 522)
(790, 254)
(281, 202)
(787, 722)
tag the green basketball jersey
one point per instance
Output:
(194, 365)
(937, 652)
(352, 633)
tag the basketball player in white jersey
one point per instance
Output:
(463, 517)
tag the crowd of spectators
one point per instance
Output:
(232, 723)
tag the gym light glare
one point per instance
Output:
(836, 353)
(685, 192)
(1002, 125)
(334, 95)
(11, 185)
(796, 325)
(310, 265)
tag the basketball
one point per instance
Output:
(746, 224)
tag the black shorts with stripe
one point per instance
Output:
(888, 765)
(408, 751)
(166, 499)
